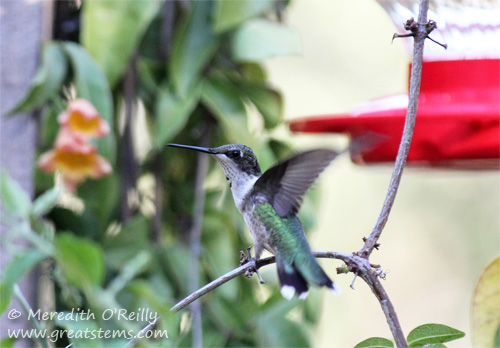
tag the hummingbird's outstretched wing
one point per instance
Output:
(286, 183)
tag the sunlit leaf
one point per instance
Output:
(81, 260)
(229, 14)
(193, 46)
(485, 307)
(15, 270)
(48, 80)
(375, 342)
(111, 30)
(433, 333)
(260, 39)
(14, 198)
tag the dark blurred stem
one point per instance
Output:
(195, 235)
(129, 163)
(404, 146)
(166, 34)
(167, 29)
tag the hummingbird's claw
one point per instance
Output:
(244, 259)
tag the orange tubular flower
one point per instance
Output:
(82, 118)
(75, 159)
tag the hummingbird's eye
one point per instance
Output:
(234, 154)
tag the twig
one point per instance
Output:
(420, 32)
(346, 257)
(354, 262)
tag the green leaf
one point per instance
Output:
(219, 250)
(497, 337)
(254, 72)
(80, 224)
(128, 242)
(7, 342)
(111, 30)
(81, 260)
(485, 305)
(266, 100)
(14, 198)
(229, 14)
(74, 323)
(48, 80)
(46, 201)
(135, 265)
(174, 260)
(276, 331)
(433, 333)
(375, 342)
(90, 82)
(193, 46)
(173, 113)
(15, 270)
(49, 127)
(260, 39)
(101, 198)
(228, 316)
(223, 100)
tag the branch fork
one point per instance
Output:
(413, 26)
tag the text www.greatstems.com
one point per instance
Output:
(54, 335)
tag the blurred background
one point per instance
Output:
(444, 227)
(196, 73)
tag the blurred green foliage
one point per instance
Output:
(195, 70)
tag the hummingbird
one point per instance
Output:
(269, 203)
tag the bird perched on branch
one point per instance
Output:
(269, 204)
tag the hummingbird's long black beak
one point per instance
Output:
(196, 148)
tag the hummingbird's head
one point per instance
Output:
(237, 161)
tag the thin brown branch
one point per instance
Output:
(354, 262)
(420, 32)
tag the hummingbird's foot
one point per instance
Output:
(244, 259)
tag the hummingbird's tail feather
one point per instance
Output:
(312, 272)
(292, 282)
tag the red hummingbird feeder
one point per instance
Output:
(457, 124)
